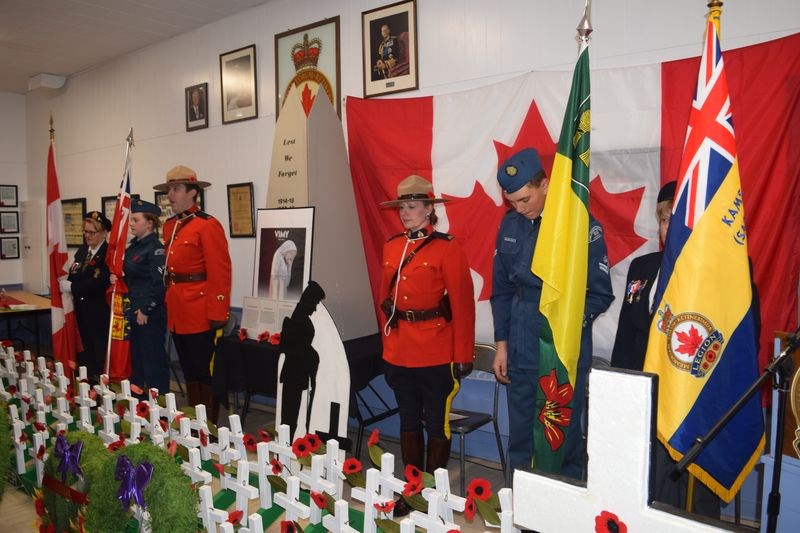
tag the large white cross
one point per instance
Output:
(241, 486)
(622, 410)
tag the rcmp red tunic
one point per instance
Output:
(440, 266)
(198, 248)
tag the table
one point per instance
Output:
(252, 367)
(31, 305)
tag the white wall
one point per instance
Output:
(462, 43)
(13, 169)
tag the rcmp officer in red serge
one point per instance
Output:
(198, 279)
(428, 325)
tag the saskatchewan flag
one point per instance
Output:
(561, 262)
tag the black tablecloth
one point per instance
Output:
(252, 367)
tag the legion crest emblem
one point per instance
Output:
(694, 345)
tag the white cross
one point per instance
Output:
(237, 436)
(295, 509)
(446, 502)
(370, 496)
(264, 469)
(255, 523)
(17, 427)
(283, 449)
(315, 481)
(184, 437)
(108, 408)
(44, 380)
(222, 449)
(82, 376)
(61, 379)
(339, 521)
(432, 521)
(241, 486)
(107, 433)
(210, 515)
(194, 468)
(41, 419)
(83, 398)
(38, 401)
(505, 495)
(38, 442)
(4, 394)
(200, 424)
(334, 459)
(618, 469)
(102, 387)
(136, 430)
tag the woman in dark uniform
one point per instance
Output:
(144, 275)
(88, 281)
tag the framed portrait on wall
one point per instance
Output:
(238, 81)
(196, 98)
(283, 252)
(389, 37)
(241, 217)
(74, 209)
(8, 196)
(108, 205)
(9, 247)
(308, 58)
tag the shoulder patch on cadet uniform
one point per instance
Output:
(595, 232)
(158, 251)
(203, 215)
(440, 235)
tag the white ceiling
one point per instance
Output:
(65, 37)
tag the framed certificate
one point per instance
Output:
(8, 196)
(9, 222)
(241, 219)
(74, 209)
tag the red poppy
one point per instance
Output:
(469, 509)
(120, 407)
(178, 417)
(249, 442)
(104, 379)
(277, 467)
(264, 435)
(136, 389)
(351, 466)
(242, 334)
(163, 423)
(29, 414)
(143, 409)
(116, 445)
(413, 473)
(203, 438)
(480, 489)
(69, 394)
(48, 399)
(154, 394)
(384, 507)
(374, 438)
(40, 508)
(554, 413)
(313, 441)
(263, 336)
(23, 437)
(38, 426)
(12, 390)
(608, 522)
(40, 452)
(301, 448)
(220, 469)
(6, 343)
(275, 339)
(92, 394)
(62, 432)
(18, 356)
(319, 499)
(172, 447)
(235, 517)
(411, 488)
(287, 526)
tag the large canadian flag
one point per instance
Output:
(639, 118)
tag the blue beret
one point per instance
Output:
(518, 170)
(140, 206)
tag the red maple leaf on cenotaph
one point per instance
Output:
(307, 99)
(617, 213)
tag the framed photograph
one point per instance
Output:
(308, 59)
(237, 72)
(74, 209)
(9, 247)
(196, 99)
(8, 196)
(161, 200)
(108, 205)
(283, 252)
(241, 217)
(9, 222)
(389, 36)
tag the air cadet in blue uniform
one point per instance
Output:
(515, 308)
(144, 274)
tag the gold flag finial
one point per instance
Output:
(52, 129)
(715, 13)
(585, 25)
(129, 139)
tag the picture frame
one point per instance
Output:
(73, 210)
(390, 56)
(9, 196)
(284, 239)
(241, 216)
(239, 86)
(9, 247)
(108, 205)
(309, 58)
(196, 101)
(9, 222)
(161, 200)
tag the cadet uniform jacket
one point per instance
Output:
(198, 272)
(439, 267)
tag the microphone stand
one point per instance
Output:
(781, 369)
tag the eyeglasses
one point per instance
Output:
(90, 232)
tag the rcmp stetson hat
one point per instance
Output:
(99, 217)
(414, 188)
(141, 206)
(518, 170)
(181, 174)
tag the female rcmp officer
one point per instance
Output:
(144, 274)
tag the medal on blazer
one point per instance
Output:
(634, 290)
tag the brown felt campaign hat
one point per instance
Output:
(181, 174)
(414, 188)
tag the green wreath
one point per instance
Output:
(5, 446)
(170, 498)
